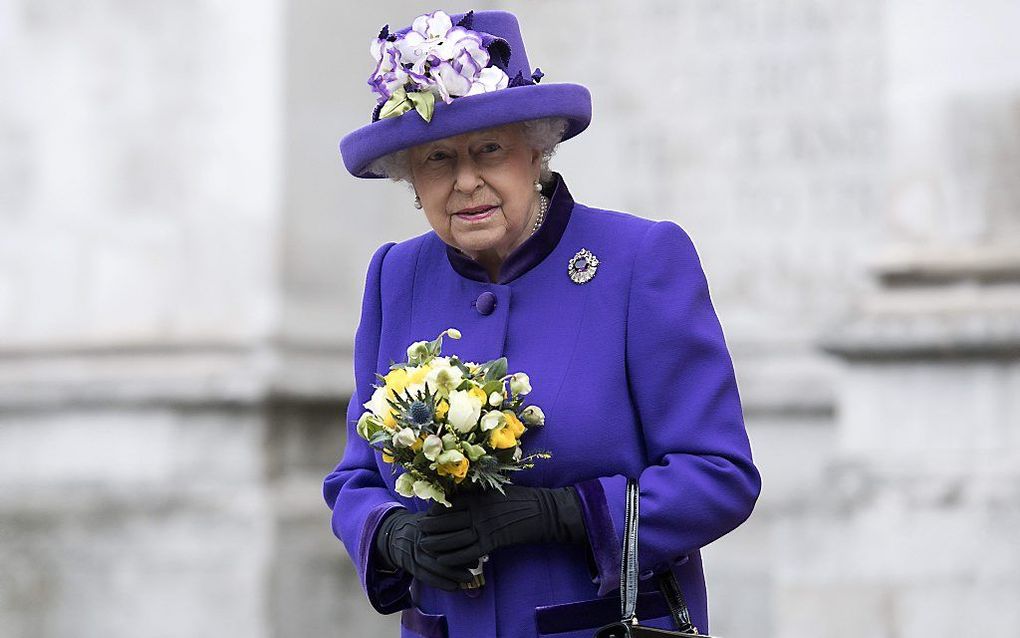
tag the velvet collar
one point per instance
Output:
(534, 249)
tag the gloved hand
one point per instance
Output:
(398, 543)
(480, 522)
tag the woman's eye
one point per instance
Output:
(437, 156)
(490, 148)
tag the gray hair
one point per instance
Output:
(544, 134)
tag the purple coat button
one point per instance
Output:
(485, 303)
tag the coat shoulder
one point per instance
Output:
(623, 231)
(400, 258)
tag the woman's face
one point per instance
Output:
(477, 189)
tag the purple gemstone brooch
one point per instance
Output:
(582, 266)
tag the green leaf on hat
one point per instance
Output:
(398, 104)
(424, 103)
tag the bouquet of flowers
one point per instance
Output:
(447, 422)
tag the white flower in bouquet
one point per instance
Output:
(496, 399)
(444, 377)
(492, 420)
(432, 447)
(405, 485)
(465, 408)
(427, 490)
(417, 350)
(405, 438)
(377, 403)
(520, 383)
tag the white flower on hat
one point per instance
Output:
(450, 82)
(389, 75)
(432, 34)
(489, 79)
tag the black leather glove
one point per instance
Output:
(398, 544)
(480, 522)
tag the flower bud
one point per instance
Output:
(433, 447)
(405, 485)
(520, 383)
(404, 438)
(533, 415)
(367, 425)
(417, 350)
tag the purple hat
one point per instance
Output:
(447, 75)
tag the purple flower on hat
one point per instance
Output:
(433, 56)
(389, 75)
(490, 79)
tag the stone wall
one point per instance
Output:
(183, 256)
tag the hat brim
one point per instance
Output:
(464, 114)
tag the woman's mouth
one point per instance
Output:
(477, 213)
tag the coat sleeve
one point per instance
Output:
(354, 490)
(699, 481)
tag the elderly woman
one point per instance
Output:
(608, 312)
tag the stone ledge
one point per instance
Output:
(905, 266)
(961, 322)
(178, 374)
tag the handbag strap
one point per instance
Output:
(629, 561)
(668, 584)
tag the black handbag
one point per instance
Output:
(628, 626)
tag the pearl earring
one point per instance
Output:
(538, 186)
(417, 202)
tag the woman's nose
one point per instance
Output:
(468, 177)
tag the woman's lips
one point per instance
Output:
(477, 213)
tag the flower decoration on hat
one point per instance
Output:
(432, 59)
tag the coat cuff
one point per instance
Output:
(388, 591)
(602, 507)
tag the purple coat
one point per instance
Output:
(633, 374)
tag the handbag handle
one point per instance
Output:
(629, 571)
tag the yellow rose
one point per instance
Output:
(479, 394)
(452, 463)
(417, 375)
(396, 381)
(514, 423)
(502, 438)
(386, 456)
(418, 442)
(442, 407)
(457, 471)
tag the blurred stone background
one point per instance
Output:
(182, 256)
